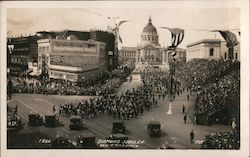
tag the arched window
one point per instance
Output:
(211, 52)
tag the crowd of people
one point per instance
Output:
(124, 106)
(160, 81)
(222, 140)
(108, 84)
(200, 72)
(217, 83)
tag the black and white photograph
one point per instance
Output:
(127, 76)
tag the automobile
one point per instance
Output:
(51, 120)
(35, 119)
(61, 142)
(154, 128)
(86, 140)
(118, 127)
(75, 122)
(14, 122)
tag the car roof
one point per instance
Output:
(119, 135)
(118, 121)
(75, 117)
(87, 135)
(154, 122)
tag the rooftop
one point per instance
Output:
(204, 41)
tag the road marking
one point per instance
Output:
(169, 108)
(38, 112)
(26, 105)
(44, 101)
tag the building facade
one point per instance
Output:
(149, 52)
(207, 49)
(210, 49)
(102, 36)
(71, 59)
(127, 53)
(224, 51)
(20, 51)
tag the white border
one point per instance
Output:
(244, 7)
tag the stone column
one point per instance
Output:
(163, 57)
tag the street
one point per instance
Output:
(174, 131)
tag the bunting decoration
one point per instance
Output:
(177, 36)
(230, 39)
(116, 30)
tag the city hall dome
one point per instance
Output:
(149, 34)
(149, 28)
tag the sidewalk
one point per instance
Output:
(180, 130)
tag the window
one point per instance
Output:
(236, 56)
(211, 52)
(225, 57)
(43, 49)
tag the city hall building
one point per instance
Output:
(71, 59)
(149, 52)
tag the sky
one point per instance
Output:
(195, 21)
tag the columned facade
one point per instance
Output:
(149, 52)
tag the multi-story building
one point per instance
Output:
(210, 49)
(21, 50)
(71, 59)
(102, 36)
(224, 51)
(207, 48)
(127, 53)
(149, 52)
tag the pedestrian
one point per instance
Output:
(183, 109)
(187, 96)
(192, 136)
(195, 120)
(159, 96)
(54, 109)
(163, 96)
(234, 125)
(185, 118)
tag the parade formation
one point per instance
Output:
(83, 95)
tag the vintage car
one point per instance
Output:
(75, 123)
(61, 142)
(14, 122)
(154, 128)
(86, 140)
(35, 119)
(118, 127)
(51, 120)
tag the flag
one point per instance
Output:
(229, 37)
(177, 35)
(121, 22)
(116, 30)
